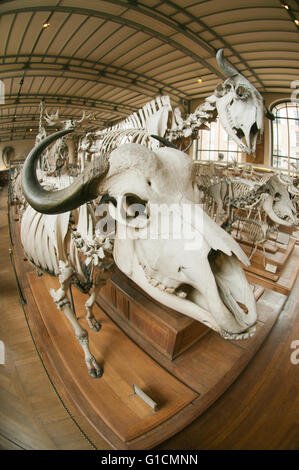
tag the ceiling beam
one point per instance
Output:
(132, 24)
(214, 33)
(98, 79)
(90, 103)
(98, 70)
(33, 119)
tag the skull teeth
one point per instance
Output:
(169, 290)
(238, 336)
(162, 287)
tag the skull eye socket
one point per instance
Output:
(135, 207)
(219, 90)
(228, 87)
(242, 92)
(277, 197)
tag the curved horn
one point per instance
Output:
(268, 114)
(188, 146)
(82, 190)
(165, 142)
(225, 66)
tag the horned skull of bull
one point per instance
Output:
(204, 281)
(240, 107)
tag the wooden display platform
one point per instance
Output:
(111, 397)
(278, 259)
(153, 326)
(170, 332)
(270, 246)
(183, 387)
(284, 264)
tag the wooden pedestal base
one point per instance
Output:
(183, 387)
(166, 330)
(281, 267)
(157, 329)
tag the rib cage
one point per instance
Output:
(252, 230)
(47, 240)
(134, 129)
(122, 136)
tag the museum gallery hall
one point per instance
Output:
(149, 189)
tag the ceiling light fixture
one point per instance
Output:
(296, 22)
(199, 80)
(46, 25)
(285, 5)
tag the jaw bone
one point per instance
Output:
(207, 284)
(190, 301)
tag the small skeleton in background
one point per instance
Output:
(253, 208)
(253, 231)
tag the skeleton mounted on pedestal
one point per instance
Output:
(254, 208)
(197, 274)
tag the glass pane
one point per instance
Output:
(216, 145)
(285, 135)
(282, 112)
(293, 112)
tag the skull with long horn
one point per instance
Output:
(237, 99)
(195, 270)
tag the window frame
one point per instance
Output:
(198, 146)
(276, 156)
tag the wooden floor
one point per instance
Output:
(259, 411)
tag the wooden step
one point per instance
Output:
(166, 330)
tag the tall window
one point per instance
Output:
(216, 144)
(285, 136)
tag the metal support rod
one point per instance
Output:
(72, 301)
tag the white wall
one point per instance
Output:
(21, 147)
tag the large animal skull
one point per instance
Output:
(277, 203)
(198, 275)
(240, 107)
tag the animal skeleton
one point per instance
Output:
(200, 275)
(53, 120)
(231, 101)
(163, 268)
(258, 206)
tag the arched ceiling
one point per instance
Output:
(111, 57)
